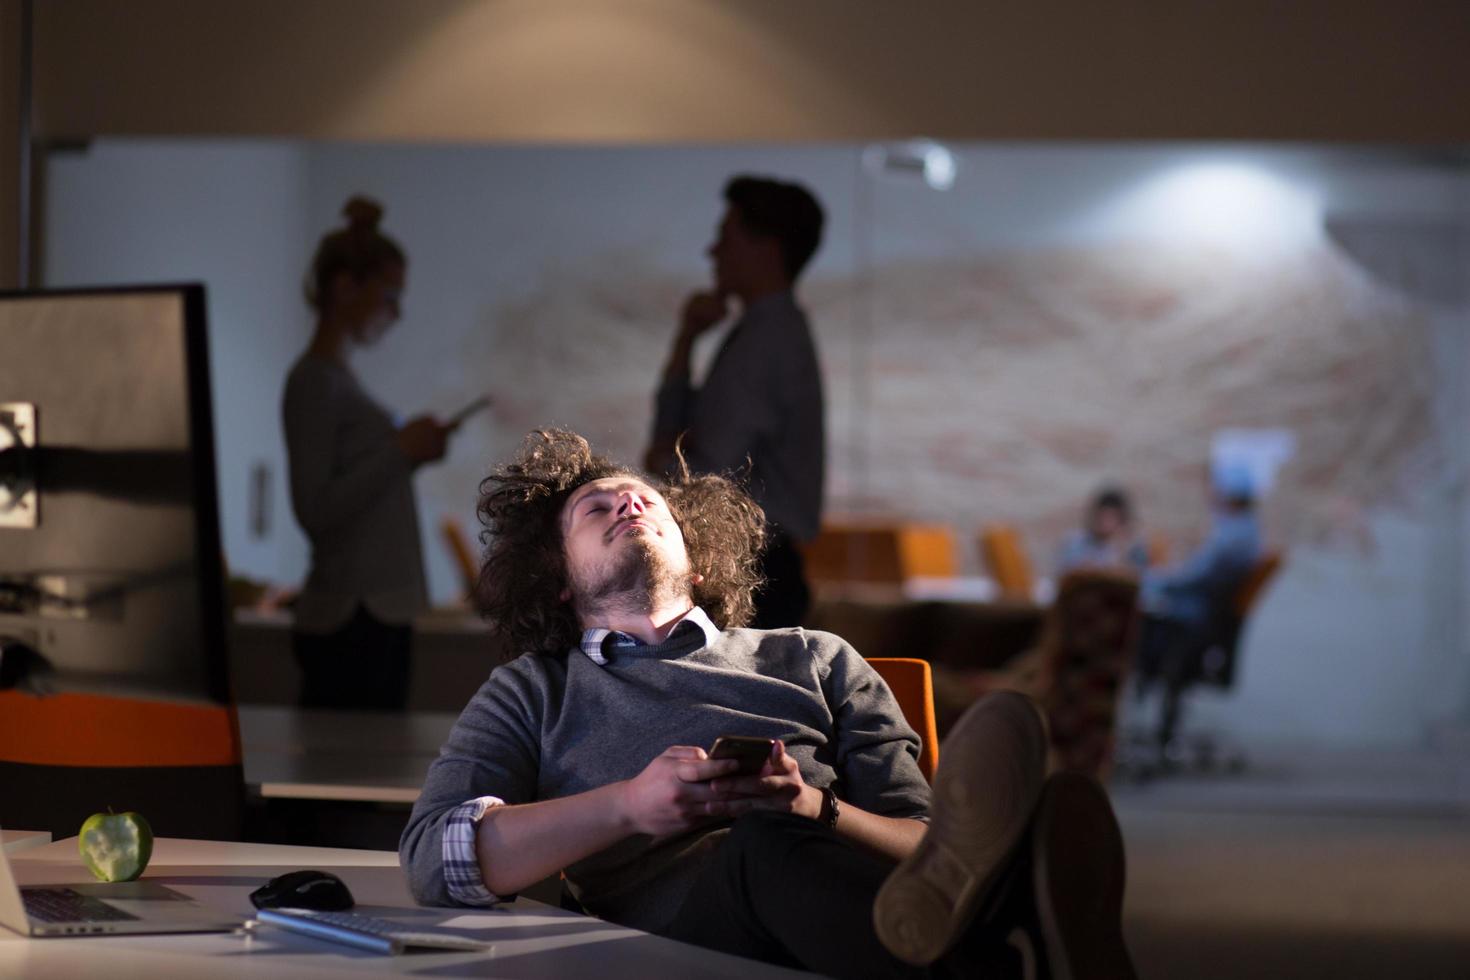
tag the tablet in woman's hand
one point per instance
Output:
(478, 404)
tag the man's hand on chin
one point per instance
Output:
(702, 310)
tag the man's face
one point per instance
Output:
(736, 252)
(1107, 521)
(622, 541)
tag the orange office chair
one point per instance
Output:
(854, 553)
(881, 553)
(462, 552)
(67, 756)
(1158, 547)
(1006, 558)
(1205, 656)
(912, 685)
(927, 551)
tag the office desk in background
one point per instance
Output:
(947, 622)
(530, 940)
(453, 654)
(354, 756)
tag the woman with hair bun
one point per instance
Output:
(352, 480)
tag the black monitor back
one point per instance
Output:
(111, 569)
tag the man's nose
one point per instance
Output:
(630, 504)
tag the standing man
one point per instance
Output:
(761, 405)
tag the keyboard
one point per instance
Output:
(65, 905)
(367, 932)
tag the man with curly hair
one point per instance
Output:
(622, 600)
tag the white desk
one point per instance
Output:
(530, 940)
(19, 840)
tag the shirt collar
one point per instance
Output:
(597, 640)
(771, 301)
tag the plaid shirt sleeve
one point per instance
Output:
(461, 868)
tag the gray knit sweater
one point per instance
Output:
(544, 727)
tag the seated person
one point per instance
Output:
(1181, 603)
(1106, 538)
(625, 596)
(1190, 592)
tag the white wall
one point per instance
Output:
(550, 277)
(229, 214)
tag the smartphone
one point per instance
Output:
(479, 403)
(752, 753)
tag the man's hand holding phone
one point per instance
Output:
(774, 784)
(673, 792)
(687, 786)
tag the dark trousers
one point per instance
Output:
(786, 890)
(785, 597)
(1168, 653)
(362, 665)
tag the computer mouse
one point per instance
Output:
(320, 891)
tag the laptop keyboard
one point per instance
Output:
(65, 905)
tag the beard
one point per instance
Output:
(636, 579)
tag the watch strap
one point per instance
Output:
(827, 817)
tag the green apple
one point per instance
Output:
(115, 846)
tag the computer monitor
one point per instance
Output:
(111, 570)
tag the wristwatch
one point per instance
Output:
(827, 816)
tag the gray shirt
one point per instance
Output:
(762, 400)
(352, 491)
(549, 726)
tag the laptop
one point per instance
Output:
(102, 908)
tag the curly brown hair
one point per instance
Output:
(525, 570)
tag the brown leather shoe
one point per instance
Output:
(990, 775)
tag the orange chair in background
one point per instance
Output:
(1208, 655)
(67, 756)
(927, 551)
(1005, 556)
(852, 553)
(912, 685)
(1158, 548)
(1255, 583)
(462, 552)
(881, 553)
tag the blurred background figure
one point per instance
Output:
(351, 480)
(1107, 538)
(1188, 593)
(1184, 603)
(761, 404)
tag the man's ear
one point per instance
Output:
(565, 595)
(697, 579)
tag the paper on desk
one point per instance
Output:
(481, 920)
